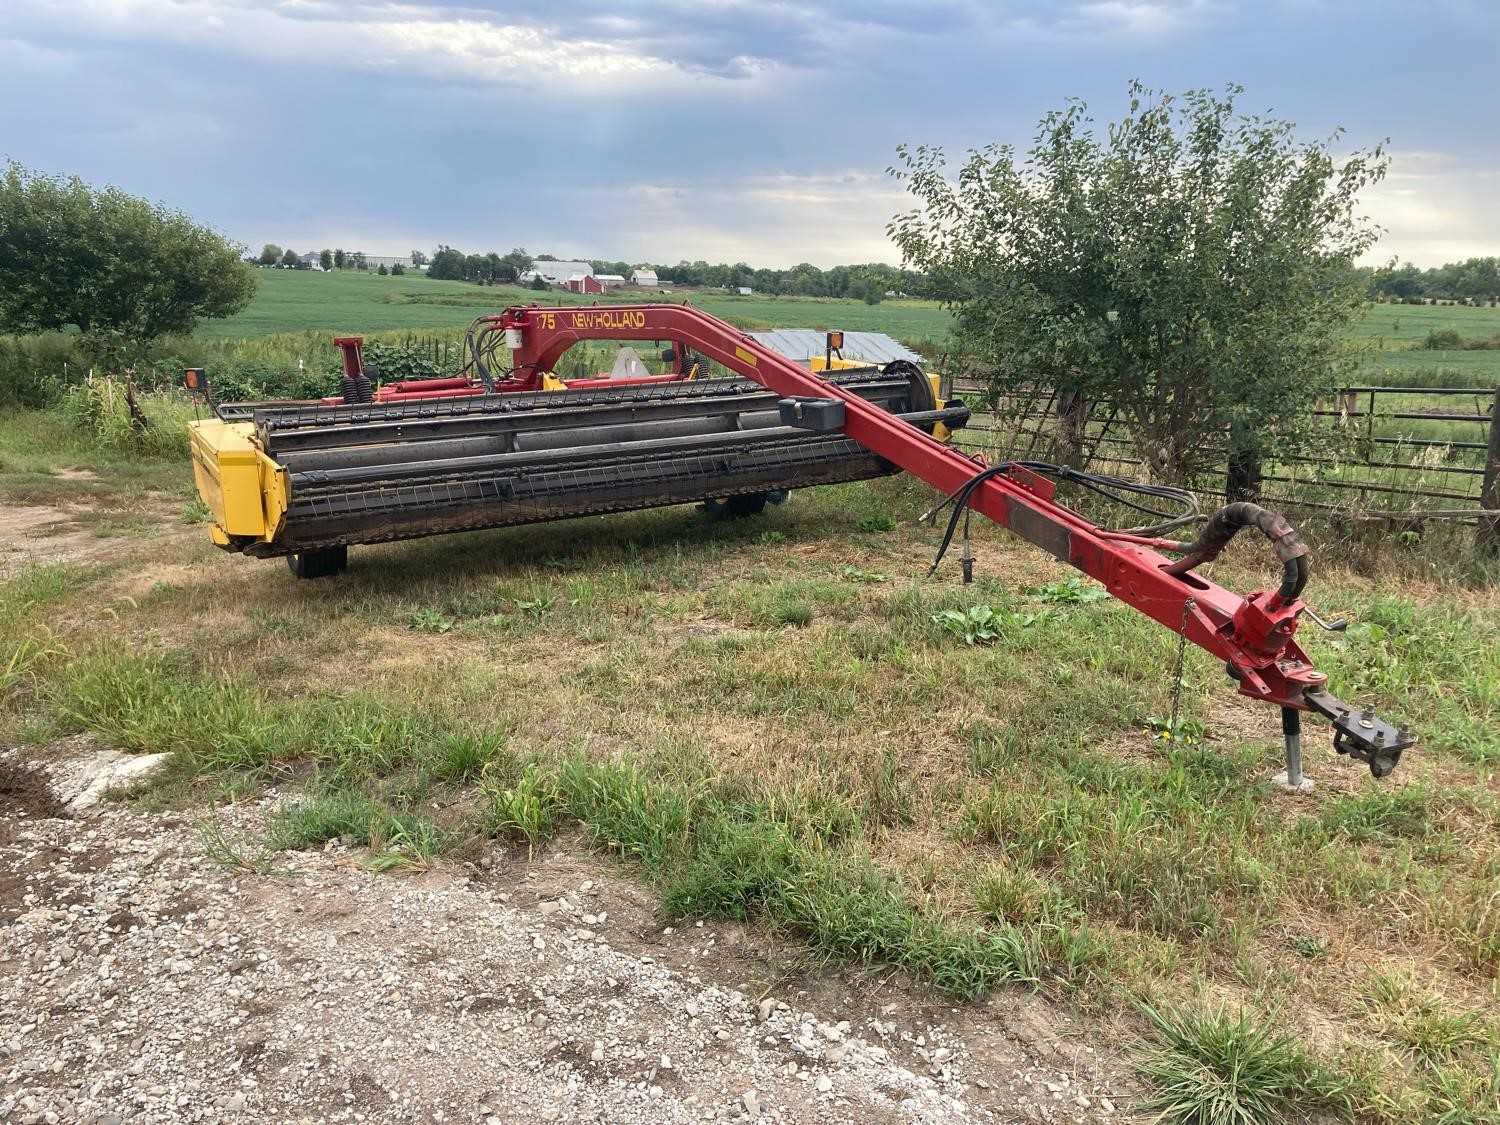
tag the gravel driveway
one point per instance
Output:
(141, 980)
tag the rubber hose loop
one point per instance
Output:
(1228, 522)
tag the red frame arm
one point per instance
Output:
(1252, 634)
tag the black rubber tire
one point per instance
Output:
(325, 562)
(737, 507)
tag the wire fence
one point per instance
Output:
(1393, 453)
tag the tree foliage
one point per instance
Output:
(113, 266)
(448, 264)
(1192, 264)
(1473, 278)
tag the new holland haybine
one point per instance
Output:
(509, 442)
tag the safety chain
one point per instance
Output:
(1187, 609)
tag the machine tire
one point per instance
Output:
(324, 562)
(738, 507)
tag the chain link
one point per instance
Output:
(1187, 609)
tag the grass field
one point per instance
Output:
(770, 719)
(1387, 338)
(349, 301)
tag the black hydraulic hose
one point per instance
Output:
(1228, 521)
(1108, 487)
(959, 498)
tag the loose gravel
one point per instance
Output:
(142, 981)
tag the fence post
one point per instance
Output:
(1488, 536)
(1073, 417)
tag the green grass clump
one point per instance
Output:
(1213, 1068)
(314, 819)
(395, 838)
(151, 704)
(530, 808)
(455, 758)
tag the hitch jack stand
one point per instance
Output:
(1291, 779)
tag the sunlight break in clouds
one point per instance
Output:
(439, 41)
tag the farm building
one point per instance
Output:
(375, 261)
(557, 273)
(646, 278)
(583, 283)
(609, 280)
(745, 290)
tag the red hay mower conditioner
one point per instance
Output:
(509, 443)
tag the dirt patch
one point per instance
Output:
(25, 795)
(73, 533)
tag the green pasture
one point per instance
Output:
(351, 301)
(1388, 338)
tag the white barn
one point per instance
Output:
(557, 273)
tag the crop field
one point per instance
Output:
(782, 720)
(302, 307)
(350, 301)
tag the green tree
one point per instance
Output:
(340, 260)
(270, 254)
(1192, 264)
(325, 259)
(119, 269)
(381, 270)
(516, 262)
(291, 259)
(447, 264)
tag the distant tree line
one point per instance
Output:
(869, 282)
(1471, 279)
(449, 264)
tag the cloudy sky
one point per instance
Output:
(714, 129)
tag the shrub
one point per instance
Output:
(1442, 340)
(100, 409)
(250, 379)
(398, 361)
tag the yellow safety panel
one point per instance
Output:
(244, 489)
(820, 363)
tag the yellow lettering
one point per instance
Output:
(606, 321)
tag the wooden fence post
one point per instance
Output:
(1073, 417)
(1488, 536)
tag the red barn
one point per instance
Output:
(584, 283)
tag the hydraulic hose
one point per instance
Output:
(1228, 521)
